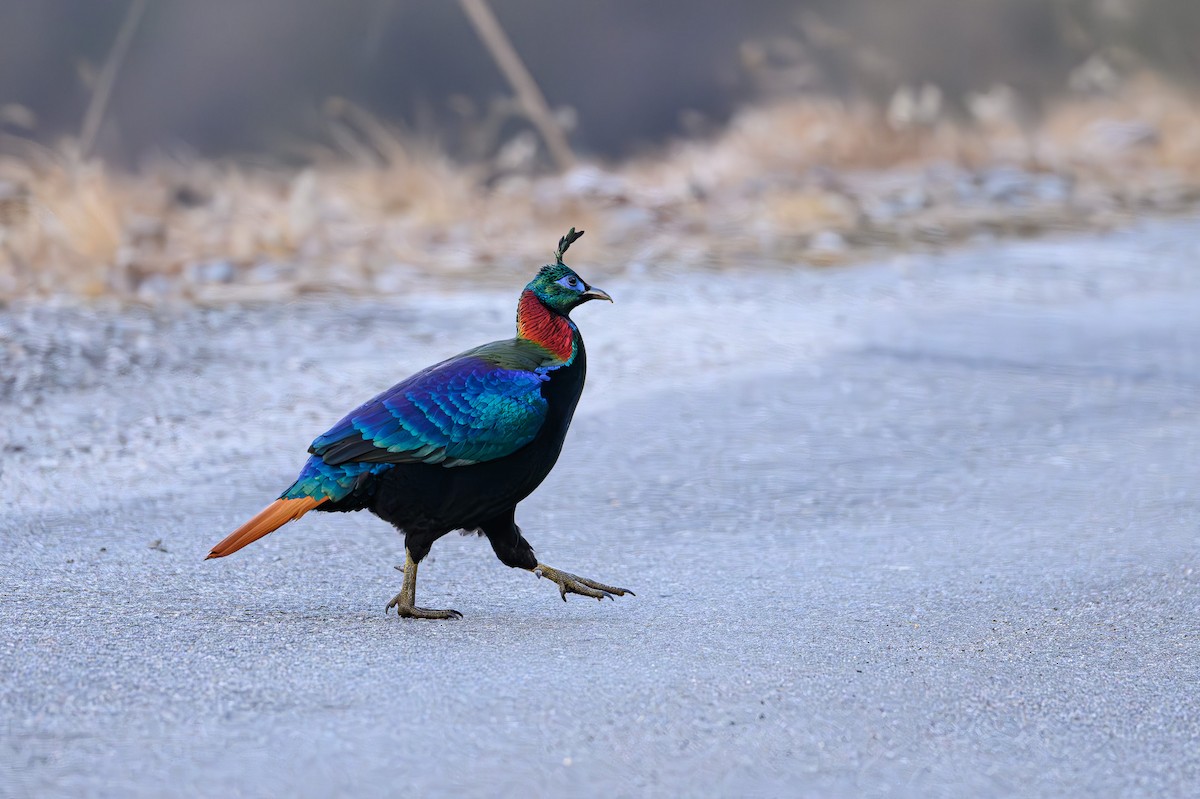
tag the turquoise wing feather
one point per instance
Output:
(478, 406)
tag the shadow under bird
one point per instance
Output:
(457, 445)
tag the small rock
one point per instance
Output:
(155, 287)
(270, 273)
(1052, 189)
(829, 241)
(1006, 185)
(218, 271)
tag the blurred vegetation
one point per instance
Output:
(248, 151)
(224, 76)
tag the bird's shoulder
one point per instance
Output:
(515, 353)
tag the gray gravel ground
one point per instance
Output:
(920, 528)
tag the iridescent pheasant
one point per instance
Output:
(457, 445)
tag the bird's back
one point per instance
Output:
(434, 498)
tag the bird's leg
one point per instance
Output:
(572, 584)
(405, 601)
(513, 550)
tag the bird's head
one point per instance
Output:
(559, 287)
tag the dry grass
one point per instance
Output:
(1149, 127)
(805, 180)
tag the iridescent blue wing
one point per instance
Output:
(479, 406)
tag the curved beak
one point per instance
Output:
(594, 293)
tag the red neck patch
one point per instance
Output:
(539, 324)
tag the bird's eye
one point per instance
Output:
(571, 282)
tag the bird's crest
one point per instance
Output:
(564, 243)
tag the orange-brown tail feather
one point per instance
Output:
(268, 520)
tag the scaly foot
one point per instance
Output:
(408, 611)
(405, 602)
(572, 584)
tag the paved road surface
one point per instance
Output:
(928, 527)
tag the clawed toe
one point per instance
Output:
(573, 584)
(405, 601)
(407, 611)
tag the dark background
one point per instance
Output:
(217, 77)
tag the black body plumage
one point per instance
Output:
(427, 501)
